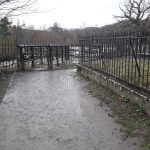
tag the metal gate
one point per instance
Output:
(43, 57)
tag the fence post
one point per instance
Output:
(90, 56)
(57, 54)
(22, 63)
(68, 51)
(62, 53)
(48, 58)
(41, 55)
(82, 53)
(32, 56)
(17, 57)
(65, 53)
(51, 57)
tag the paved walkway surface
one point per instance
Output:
(53, 111)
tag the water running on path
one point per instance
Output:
(53, 111)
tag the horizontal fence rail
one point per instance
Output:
(125, 56)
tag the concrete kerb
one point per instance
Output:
(119, 88)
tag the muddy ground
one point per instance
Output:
(54, 111)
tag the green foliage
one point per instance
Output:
(146, 146)
(141, 111)
(135, 122)
(56, 28)
(4, 29)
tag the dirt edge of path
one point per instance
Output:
(5, 80)
(135, 122)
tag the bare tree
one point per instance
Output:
(11, 8)
(137, 12)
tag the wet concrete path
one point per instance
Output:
(53, 111)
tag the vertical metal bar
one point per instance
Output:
(5, 65)
(129, 58)
(27, 49)
(65, 53)
(114, 52)
(119, 56)
(57, 55)
(126, 55)
(48, 58)
(51, 56)
(18, 57)
(68, 51)
(22, 63)
(148, 68)
(62, 54)
(122, 57)
(113, 48)
(135, 68)
(32, 56)
(117, 66)
(41, 54)
(144, 60)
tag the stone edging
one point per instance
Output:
(119, 88)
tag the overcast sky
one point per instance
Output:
(72, 13)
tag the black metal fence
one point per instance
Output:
(8, 57)
(125, 56)
(27, 57)
(47, 56)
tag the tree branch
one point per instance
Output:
(9, 8)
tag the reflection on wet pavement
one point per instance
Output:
(53, 111)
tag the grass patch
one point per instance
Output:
(133, 118)
(147, 146)
(126, 69)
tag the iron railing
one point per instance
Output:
(47, 56)
(125, 56)
(27, 57)
(8, 57)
